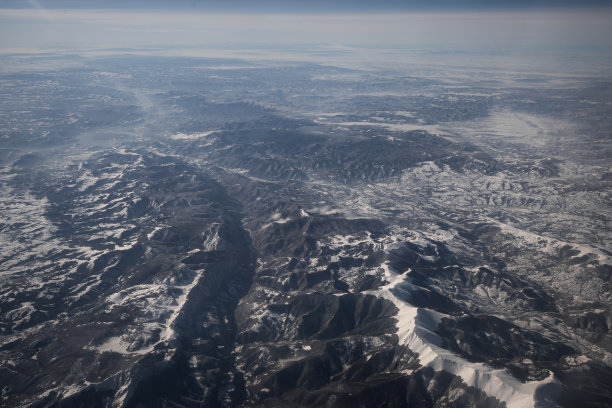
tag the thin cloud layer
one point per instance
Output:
(305, 6)
(40, 28)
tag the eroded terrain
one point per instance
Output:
(197, 232)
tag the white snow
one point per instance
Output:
(549, 245)
(159, 309)
(515, 127)
(399, 127)
(212, 240)
(152, 233)
(415, 330)
(407, 114)
(192, 136)
(86, 180)
(276, 218)
(169, 333)
(127, 246)
(416, 326)
(21, 314)
(26, 232)
(115, 345)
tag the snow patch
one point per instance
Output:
(552, 246)
(399, 127)
(192, 136)
(115, 345)
(416, 330)
(212, 240)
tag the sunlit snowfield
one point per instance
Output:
(305, 210)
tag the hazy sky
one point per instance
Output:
(305, 5)
(537, 27)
